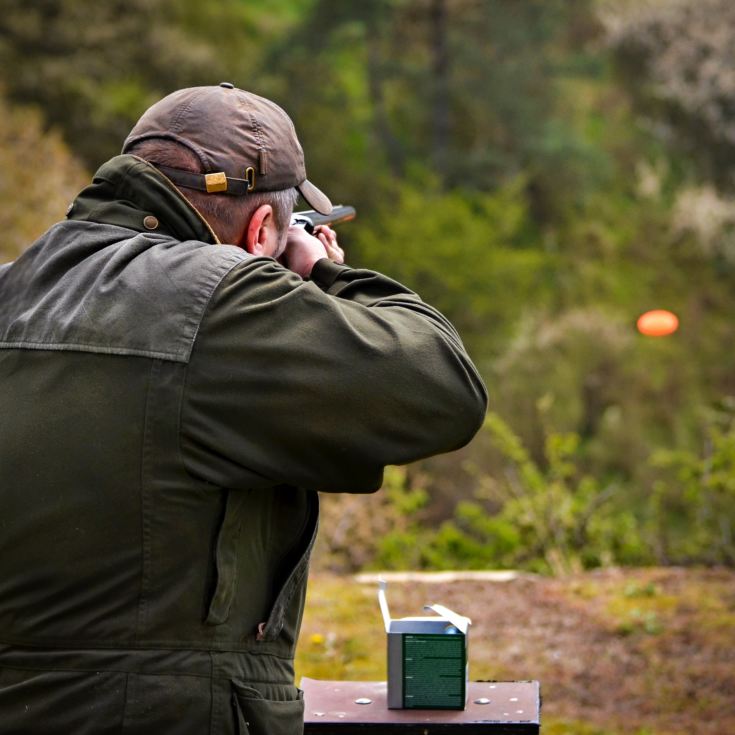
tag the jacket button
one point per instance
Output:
(150, 222)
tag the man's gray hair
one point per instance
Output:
(224, 212)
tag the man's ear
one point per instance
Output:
(260, 233)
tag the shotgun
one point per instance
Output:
(309, 219)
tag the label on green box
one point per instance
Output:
(434, 671)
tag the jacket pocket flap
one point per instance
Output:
(259, 716)
(226, 560)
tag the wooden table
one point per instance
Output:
(514, 708)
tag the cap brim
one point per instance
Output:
(314, 197)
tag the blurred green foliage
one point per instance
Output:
(693, 505)
(547, 518)
(556, 518)
(39, 177)
(541, 170)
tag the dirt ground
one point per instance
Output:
(645, 651)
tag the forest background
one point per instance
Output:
(543, 171)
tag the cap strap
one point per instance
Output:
(211, 183)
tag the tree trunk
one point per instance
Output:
(440, 70)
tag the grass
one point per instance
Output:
(342, 637)
(572, 727)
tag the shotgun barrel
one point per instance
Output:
(309, 219)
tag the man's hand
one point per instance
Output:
(303, 250)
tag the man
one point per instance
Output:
(170, 407)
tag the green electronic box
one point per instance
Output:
(427, 658)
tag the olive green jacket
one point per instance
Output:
(169, 407)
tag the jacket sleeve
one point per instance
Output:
(321, 383)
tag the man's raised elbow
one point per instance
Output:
(471, 409)
(457, 414)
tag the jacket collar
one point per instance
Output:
(129, 192)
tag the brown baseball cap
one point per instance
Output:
(246, 143)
